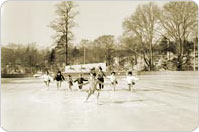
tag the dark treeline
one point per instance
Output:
(154, 38)
(17, 58)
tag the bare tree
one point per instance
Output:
(143, 25)
(180, 20)
(105, 46)
(64, 23)
(132, 48)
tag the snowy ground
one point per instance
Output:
(166, 101)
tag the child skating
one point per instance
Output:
(70, 82)
(47, 78)
(131, 80)
(59, 78)
(80, 80)
(93, 87)
(113, 80)
(100, 77)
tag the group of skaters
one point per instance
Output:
(95, 81)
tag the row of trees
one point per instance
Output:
(15, 56)
(176, 23)
(150, 33)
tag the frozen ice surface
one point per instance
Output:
(166, 101)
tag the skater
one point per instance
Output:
(70, 82)
(100, 77)
(92, 70)
(47, 78)
(59, 78)
(131, 80)
(80, 81)
(113, 80)
(93, 87)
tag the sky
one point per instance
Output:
(27, 21)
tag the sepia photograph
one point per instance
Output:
(99, 65)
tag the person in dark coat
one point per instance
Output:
(59, 78)
(80, 80)
(100, 77)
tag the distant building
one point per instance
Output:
(84, 68)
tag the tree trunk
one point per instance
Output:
(66, 39)
(179, 63)
(195, 42)
(151, 57)
(66, 50)
(147, 62)
(179, 67)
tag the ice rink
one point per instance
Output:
(163, 101)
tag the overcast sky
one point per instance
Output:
(26, 22)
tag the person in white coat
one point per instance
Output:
(131, 80)
(47, 78)
(113, 80)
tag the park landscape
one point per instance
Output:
(158, 42)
